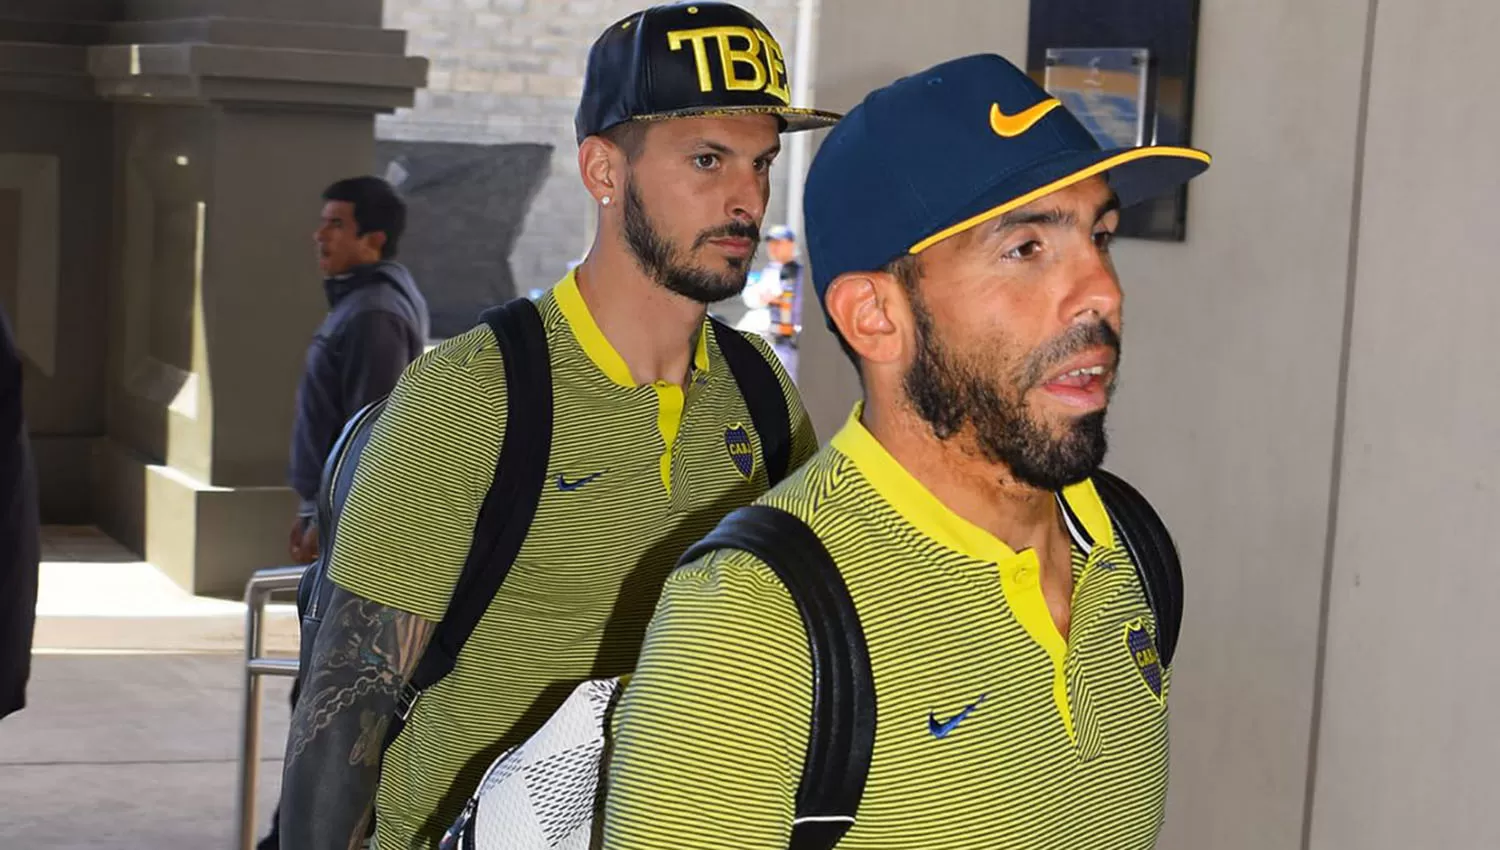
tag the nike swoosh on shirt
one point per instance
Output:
(567, 486)
(943, 729)
(1010, 126)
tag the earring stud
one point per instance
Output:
(604, 200)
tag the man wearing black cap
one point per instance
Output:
(653, 441)
(959, 225)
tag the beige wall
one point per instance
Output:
(268, 296)
(56, 257)
(1409, 741)
(1229, 410)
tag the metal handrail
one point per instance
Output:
(257, 591)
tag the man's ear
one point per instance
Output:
(867, 309)
(602, 166)
(376, 239)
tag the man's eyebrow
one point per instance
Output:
(1018, 218)
(1053, 217)
(726, 150)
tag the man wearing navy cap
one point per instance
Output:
(655, 437)
(959, 225)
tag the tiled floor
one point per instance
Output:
(123, 752)
(131, 734)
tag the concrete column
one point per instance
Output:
(54, 237)
(219, 121)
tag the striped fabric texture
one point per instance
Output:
(992, 730)
(636, 474)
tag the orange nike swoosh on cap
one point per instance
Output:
(1010, 126)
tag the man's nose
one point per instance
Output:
(747, 199)
(1096, 289)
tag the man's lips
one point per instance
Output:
(734, 244)
(1083, 381)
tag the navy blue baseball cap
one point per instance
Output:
(781, 232)
(939, 152)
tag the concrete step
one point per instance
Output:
(97, 596)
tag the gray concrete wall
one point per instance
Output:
(267, 296)
(1228, 405)
(1408, 742)
(1233, 417)
(53, 260)
(511, 71)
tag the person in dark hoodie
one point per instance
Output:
(19, 533)
(377, 323)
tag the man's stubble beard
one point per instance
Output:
(951, 392)
(662, 261)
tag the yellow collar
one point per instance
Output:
(931, 516)
(596, 345)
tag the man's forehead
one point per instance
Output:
(1091, 195)
(733, 131)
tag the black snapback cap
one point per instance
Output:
(688, 59)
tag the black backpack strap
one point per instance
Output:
(1150, 545)
(510, 505)
(763, 395)
(843, 717)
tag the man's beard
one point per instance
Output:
(659, 258)
(950, 392)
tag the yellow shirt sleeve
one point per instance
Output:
(409, 517)
(712, 731)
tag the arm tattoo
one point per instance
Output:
(363, 654)
(363, 650)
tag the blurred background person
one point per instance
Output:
(774, 297)
(377, 323)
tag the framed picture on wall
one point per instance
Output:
(1125, 68)
(1106, 89)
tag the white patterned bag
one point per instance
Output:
(543, 794)
(546, 793)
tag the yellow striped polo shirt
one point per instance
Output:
(992, 730)
(636, 474)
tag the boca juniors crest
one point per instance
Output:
(737, 442)
(1143, 652)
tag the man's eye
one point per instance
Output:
(1103, 239)
(1024, 251)
(762, 166)
(706, 161)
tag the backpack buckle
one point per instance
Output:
(407, 701)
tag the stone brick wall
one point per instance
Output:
(511, 71)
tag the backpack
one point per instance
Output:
(546, 792)
(510, 505)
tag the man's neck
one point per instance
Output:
(654, 329)
(981, 491)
